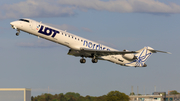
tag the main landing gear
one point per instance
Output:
(94, 60)
(83, 60)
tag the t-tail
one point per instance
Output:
(142, 56)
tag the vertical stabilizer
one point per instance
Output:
(142, 57)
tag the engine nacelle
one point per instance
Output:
(129, 56)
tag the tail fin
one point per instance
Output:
(142, 56)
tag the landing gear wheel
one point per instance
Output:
(17, 34)
(94, 60)
(18, 31)
(83, 61)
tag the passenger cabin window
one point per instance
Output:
(24, 20)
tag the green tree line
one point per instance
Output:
(174, 92)
(71, 96)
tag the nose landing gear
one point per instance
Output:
(18, 31)
(17, 34)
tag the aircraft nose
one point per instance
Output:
(13, 24)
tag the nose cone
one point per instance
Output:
(11, 23)
(14, 24)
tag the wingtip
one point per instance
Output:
(169, 52)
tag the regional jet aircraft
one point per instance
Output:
(84, 48)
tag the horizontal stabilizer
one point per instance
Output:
(155, 51)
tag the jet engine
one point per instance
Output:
(129, 56)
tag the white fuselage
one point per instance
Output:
(74, 42)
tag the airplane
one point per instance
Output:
(84, 48)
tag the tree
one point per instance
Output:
(61, 97)
(100, 98)
(174, 92)
(32, 98)
(76, 95)
(48, 97)
(117, 96)
(71, 96)
(132, 93)
(88, 98)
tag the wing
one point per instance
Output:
(90, 52)
(104, 52)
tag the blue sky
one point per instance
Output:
(29, 62)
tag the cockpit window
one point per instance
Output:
(24, 20)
